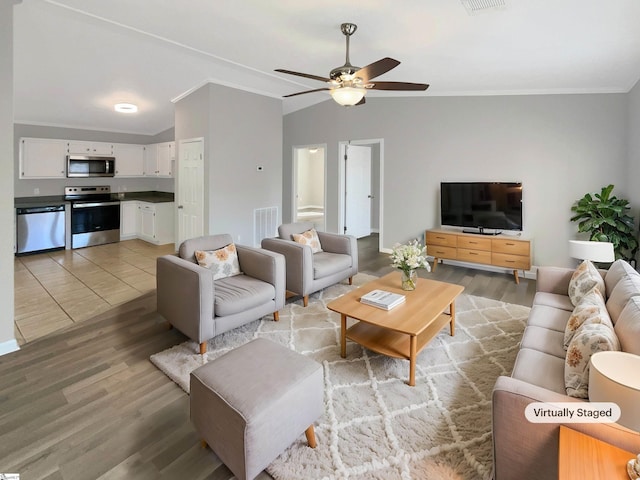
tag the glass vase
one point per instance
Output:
(409, 279)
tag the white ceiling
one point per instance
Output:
(74, 59)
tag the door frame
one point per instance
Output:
(342, 184)
(294, 180)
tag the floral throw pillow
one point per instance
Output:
(223, 262)
(584, 279)
(310, 237)
(591, 309)
(588, 340)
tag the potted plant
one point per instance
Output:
(606, 219)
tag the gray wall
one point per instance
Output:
(55, 186)
(559, 146)
(633, 192)
(7, 217)
(241, 130)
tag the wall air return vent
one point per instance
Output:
(474, 7)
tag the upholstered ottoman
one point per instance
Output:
(253, 402)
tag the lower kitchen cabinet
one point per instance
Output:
(151, 222)
(128, 220)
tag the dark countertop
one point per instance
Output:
(151, 197)
(53, 200)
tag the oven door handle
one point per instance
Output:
(96, 204)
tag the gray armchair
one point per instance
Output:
(309, 272)
(200, 307)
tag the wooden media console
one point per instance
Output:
(498, 250)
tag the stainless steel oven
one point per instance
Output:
(95, 216)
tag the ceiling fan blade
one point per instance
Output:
(376, 69)
(397, 86)
(306, 91)
(305, 75)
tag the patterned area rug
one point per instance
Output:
(375, 426)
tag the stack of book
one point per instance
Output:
(382, 299)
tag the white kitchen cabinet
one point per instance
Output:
(159, 159)
(156, 222)
(89, 148)
(129, 219)
(129, 159)
(42, 158)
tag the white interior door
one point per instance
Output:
(190, 189)
(357, 190)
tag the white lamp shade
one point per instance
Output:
(613, 377)
(594, 251)
(347, 96)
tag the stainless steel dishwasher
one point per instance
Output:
(40, 228)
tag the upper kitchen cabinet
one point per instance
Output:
(42, 158)
(129, 159)
(89, 148)
(159, 159)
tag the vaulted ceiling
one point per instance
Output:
(74, 59)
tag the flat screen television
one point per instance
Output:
(481, 205)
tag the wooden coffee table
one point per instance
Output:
(406, 329)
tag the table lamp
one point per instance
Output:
(594, 251)
(613, 377)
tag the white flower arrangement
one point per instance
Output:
(410, 257)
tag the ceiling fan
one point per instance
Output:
(348, 84)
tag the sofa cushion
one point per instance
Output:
(626, 288)
(286, 230)
(310, 238)
(541, 369)
(240, 293)
(589, 339)
(628, 327)
(544, 340)
(548, 317)
(591, 309)
(617, 271)
(325, 264)
(222, 262)
(554, 300)
(584, 278)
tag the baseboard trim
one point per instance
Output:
(9, 346)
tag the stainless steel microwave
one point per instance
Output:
(90, 166)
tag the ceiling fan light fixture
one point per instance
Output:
(347, 96)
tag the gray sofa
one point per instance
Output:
(309, 272)
(201, 307)
(530, 450)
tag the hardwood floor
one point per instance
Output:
(84, 402)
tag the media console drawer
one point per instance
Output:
(501, 251)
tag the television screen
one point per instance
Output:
(493, 205)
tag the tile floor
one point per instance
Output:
(57, 289)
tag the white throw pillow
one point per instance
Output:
(588, 340)
(223, 262)
(585, 277)
(310, 237)
(628, 327)
(591, 309)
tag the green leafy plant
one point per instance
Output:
(606, 219)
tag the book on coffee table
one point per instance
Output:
(382, 299)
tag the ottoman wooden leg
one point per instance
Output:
(350, 280)
(311, 436)
(203, 443)
(305, 300)
(276, 316)
(203, 348)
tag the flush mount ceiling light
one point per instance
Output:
(125, 108)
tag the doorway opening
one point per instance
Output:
(360, 178)
(309, 185)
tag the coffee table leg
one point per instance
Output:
(413, 341)
(343, 335)
(452, 322)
